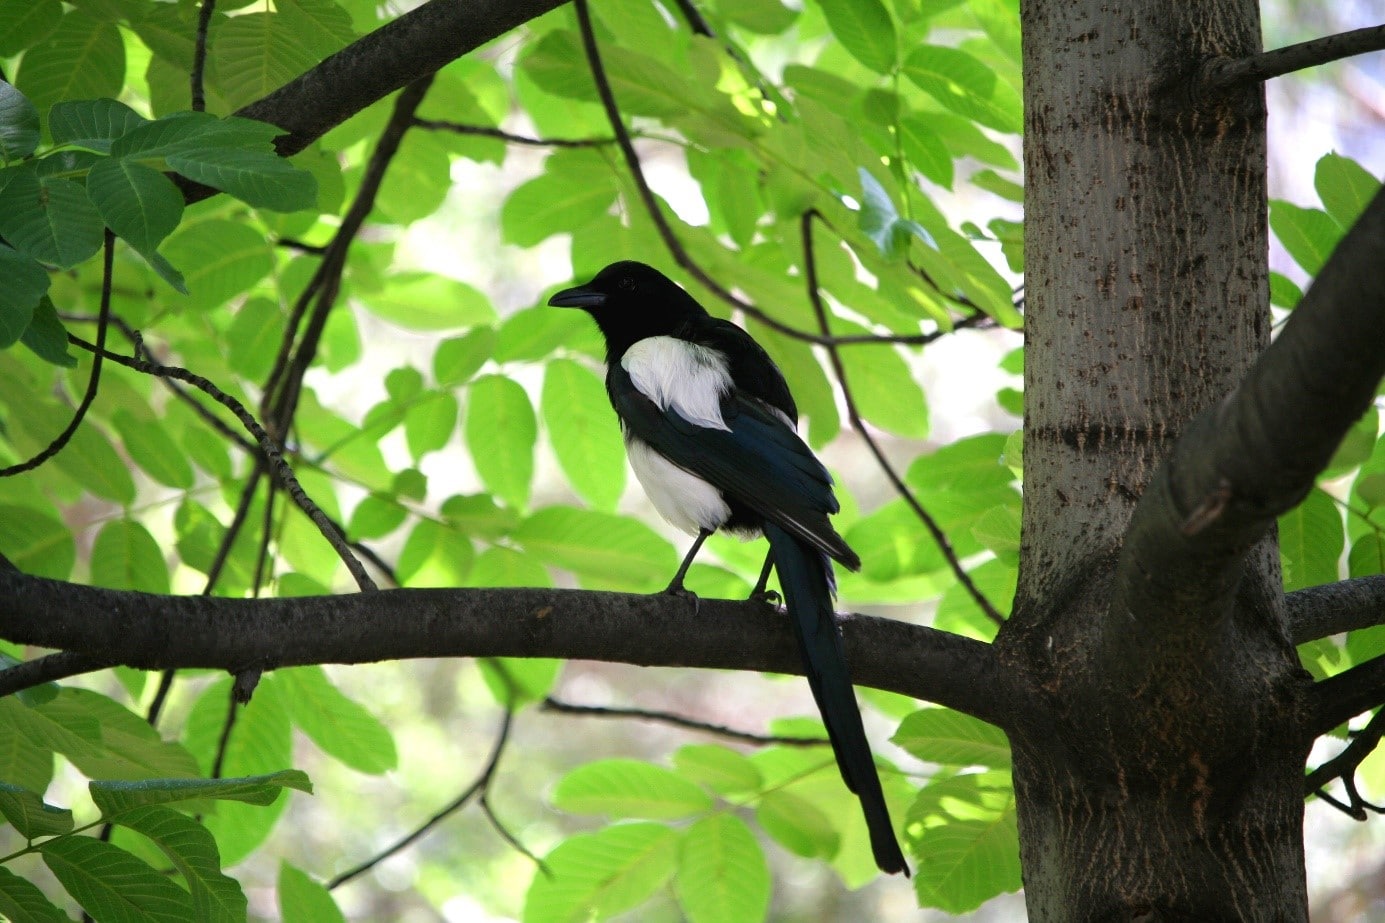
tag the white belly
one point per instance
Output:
(685, 500)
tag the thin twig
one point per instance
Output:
(1344, 765)
(509, 837)
(666, 233)
(1222, 73)
(929, 523)
(199, 55)
(477, 786)
(224, 742)
(47, 669)
(294, 243)
(93, 381)
(663, 717)
(273, 456)
(487, 131)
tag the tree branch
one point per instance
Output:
(47, 669)
(162, 632)
(1256, 454)
(1340, 698)
(1224, 73)
(663, 717)
(1319, 611)
(1343, 766)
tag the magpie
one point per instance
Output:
(709, 428)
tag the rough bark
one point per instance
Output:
(1161, 777)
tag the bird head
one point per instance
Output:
(631, 301)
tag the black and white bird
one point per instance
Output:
(709, 429)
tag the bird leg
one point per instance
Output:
(762, 590)
(675, 586)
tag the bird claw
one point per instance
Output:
(677, 589)
(769, 597)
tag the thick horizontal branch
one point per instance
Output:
(1340, 698)
(1336, 607)
(1256, 454)
(167, 632)
(1224, 73)
(395, 55)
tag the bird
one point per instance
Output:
(710, 432)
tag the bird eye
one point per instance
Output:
(626, 284)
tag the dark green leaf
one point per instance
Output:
(216, 898)
(28, 813)
(223, 259)
(18, 124)
(83, 58)
(111, 884)
(92, 123)
(22, 286)
(24, 23)
(138, 203)
(37, 544)
(258, 178)
(22, 902)
(152, 448)
(115, 798)
(46, 336)
(50, 220)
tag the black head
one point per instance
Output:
(631, 301)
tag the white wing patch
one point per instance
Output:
(682, 376)
(684, 500)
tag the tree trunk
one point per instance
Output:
(1161, 776)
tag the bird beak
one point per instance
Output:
(579, 297)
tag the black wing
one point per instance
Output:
(751, 368)
(759, 461)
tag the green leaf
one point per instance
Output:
(25, 23)
(434, 555)
(500, 432)
(865, 29)
(22, 902)
(190, 134)
(258, 178)
(256, 53)
(427, 301)
(767, 17)
(883, 387)
(459, 358)
(950, 738)
(584, 432)
(598, 875)
(575, 188)
(216, 898)
(115, 798)
(261, 742)
(429, 423)
(1311, 540)
(536, 333)
(303, 900)
(138, 203)
(23, 283)
(254, 337)
(722, 873)
(613, 550)
(126, 557)
(926, 150)
(629, 789)
(966, 86)
(150, 446)
(973, 854)
(92, 123)
(49, 219)
(46, 336)
(1309, 235)
(19, 124)
(1345, 187)
(36, 543)
(518, 681)
(102, 738)
(798, 825)
(31, 815)
(112, 885)
(83, 58)
(224, 259)
(719, 768)
(337, 723)
(375, 517)
(90, 460)
(507, 567)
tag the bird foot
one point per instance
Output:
(677, 589)
(769, 597)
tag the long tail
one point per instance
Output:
(806, 579)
